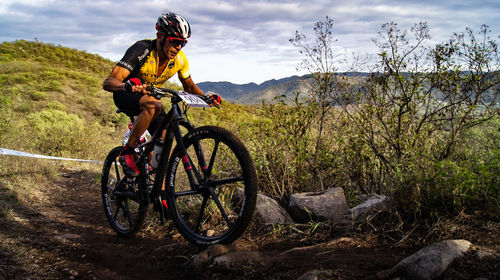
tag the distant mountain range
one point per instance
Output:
(253, 93)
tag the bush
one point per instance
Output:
(38, 95)
(282, 148)
(57, 133)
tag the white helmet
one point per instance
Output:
(173, 25)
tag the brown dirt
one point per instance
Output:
(65, 235)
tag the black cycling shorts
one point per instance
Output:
(128, 103)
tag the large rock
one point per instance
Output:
(430, 262)
(268, 210)
(372, 203)
(329, 205)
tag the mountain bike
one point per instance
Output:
(210, 198)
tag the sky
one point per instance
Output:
(236, 41)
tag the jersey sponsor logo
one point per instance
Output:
(146, 52)
(171, 64)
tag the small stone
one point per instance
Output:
(177, 236)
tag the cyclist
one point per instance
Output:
(150, 63)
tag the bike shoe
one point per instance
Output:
(127, 161)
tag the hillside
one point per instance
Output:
(52, 98)
(252, 93)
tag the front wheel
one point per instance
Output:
(123, 206)
(211, 197)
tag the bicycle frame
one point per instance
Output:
(171, 123)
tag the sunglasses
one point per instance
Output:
(176, 41)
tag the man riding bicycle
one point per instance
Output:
(150, 63)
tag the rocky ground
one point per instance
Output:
(63, 234)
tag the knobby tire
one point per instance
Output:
(220, 206)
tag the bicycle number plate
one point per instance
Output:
(193, 100)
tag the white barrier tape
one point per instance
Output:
(8, 152)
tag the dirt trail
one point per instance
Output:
(65, 235)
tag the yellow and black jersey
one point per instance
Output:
(141, 59)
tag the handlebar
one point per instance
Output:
(159, 93)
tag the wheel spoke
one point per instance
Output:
(200, 216)
(226, 181)
(212, 159)
(201, 158)
(117, 210)
(219, 205)
(177, 194)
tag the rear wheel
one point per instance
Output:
(123, 206)
(219, 206)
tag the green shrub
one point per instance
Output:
(23, 107)
(5, 125)
(56, 105)
(38, 95)
(281, 146)
(5, 101)
(22, 77)
(452, 187)
(51, 85)
(57, 133)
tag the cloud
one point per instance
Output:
(241, 41)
